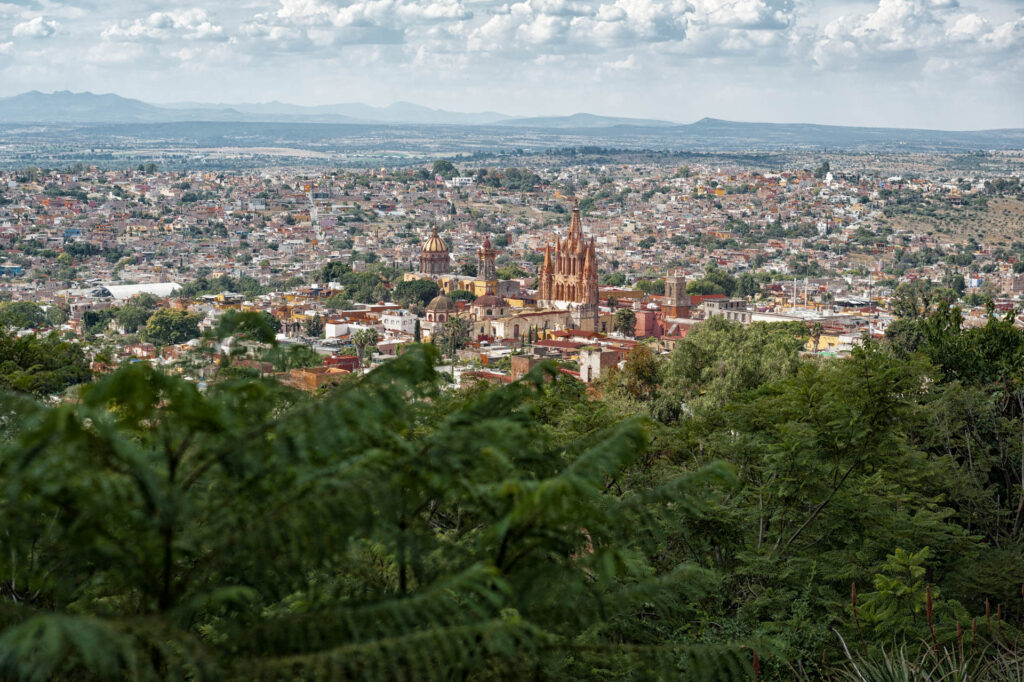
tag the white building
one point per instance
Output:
(401, 321)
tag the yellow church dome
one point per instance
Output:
(435, 244)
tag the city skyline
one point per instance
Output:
(900, 63)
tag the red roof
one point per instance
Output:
(555, 343)
(697, 300)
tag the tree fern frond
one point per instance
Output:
(50, 646)
(474, 595)
(434, 654)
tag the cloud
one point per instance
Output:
(969, 27)
(37, 27)
(309, 25)
(925, 32)
(747, 14)
(536, 49)
(627, 64)
(533, 27)
(190, 24)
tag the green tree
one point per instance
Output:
(170, 326)
(904, 335)
(817, 329)
(386, 531)
(830, 473)
(446, 169)
(96, 322)
(956, 282)
(333, 271)
(21, 315)
(714, 281)
(365, 340)
(898, 609)
(247, 331)
(719, 359)
(613, 279)
(511, 272)
(132, 317)
(314, 326)
(416, 292)
(57, 315)
(651, 286)
(145, 300)
(40, 365)
(417, 334)
(624, 321)
(641, 373)
(291, 356)
(914, 299)
(337, 302)
(454, 334)
(747, 285)
(462, 295)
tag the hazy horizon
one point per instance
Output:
(941, 64)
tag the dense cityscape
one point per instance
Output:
(141, 265)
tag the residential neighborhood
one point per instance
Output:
(396, 254)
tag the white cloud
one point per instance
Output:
(931, 34)
(37, 27)
(537, 49)
(190, 24)
(749, 14)
(627, 64)
(969, 27)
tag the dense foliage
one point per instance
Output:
(170, 325)
(385, 531)
(896, 472)
(41, 366)
(855, 518)
(21, 315)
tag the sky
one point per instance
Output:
(949, 64)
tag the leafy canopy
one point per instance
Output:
(386, 531)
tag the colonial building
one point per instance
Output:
(677, 302)
(434, 257)
(485, 268)
(439, 310)
(435, 265)
(568, 276)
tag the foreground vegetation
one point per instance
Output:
(731, 511)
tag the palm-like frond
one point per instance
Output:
(384, 532)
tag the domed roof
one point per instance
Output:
(435, 244)
(488, 300)
(441, 304)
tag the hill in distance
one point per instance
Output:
(85, 108)
(585, 121)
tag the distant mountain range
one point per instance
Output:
(86, 108)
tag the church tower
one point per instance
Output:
(545, 275)
(568, 275)
(485, 256)
(677, 301)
